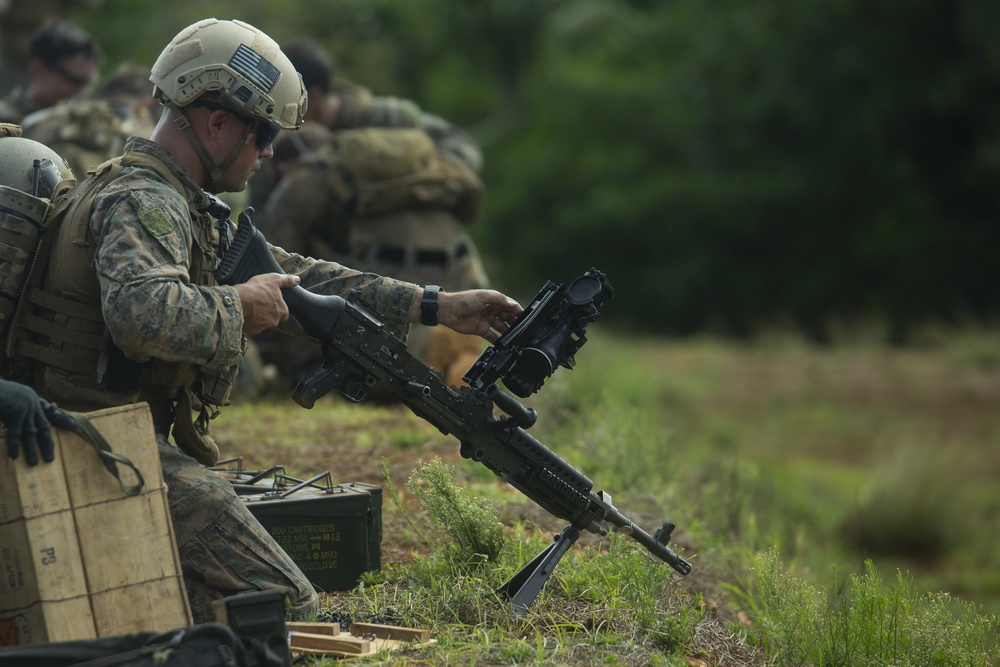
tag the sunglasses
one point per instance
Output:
(75, 79)
(265, 132)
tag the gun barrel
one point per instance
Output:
(656, 547)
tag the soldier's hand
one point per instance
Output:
(263, 305)
(482, 312)
(23, 413)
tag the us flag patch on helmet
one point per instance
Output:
(257, 69)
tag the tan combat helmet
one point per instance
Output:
(242, 67)
(30, 166)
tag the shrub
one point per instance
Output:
(471, 522)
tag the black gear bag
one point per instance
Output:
(204, 645)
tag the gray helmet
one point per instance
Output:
(30, 166)
(235, 60)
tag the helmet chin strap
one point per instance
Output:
(215, 171)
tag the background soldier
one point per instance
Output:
(340, 104)
(380, 199)
(391, 191)
(19, 19)
(88, 132)
(63, 64)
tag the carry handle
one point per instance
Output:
(309, 482)
(111, 459)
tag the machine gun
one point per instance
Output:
(358, 352)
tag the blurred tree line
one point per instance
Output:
(728, 163)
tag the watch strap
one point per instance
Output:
(429, 305)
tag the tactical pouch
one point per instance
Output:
(209, 392)
(190, 435)
(216, 388)
(444, 183)
(21, 229)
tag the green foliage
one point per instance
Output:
(727, 163)
(777, 160)
(916, 503)
(397, 500)
(778, 443)
(472, 523)
(634, 587)
(598, 607)
(868, 624)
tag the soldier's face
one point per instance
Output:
(247, 163)
(231, 132)
(69, 78)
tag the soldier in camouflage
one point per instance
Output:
(89, 132)
(382, 200)
(130, 309)
(381, 186)
(19, 20)
(339, 104)
(63, 64)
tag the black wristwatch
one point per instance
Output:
(429, 305)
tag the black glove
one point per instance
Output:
(23, 412)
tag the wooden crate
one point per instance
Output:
(78, 558)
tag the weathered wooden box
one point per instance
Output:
(79, 558)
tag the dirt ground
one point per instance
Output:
(351, 441)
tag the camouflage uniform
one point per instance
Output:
(359, 108)
(148, 236)
(85, 132)
(15, 106)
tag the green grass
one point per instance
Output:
(867, 623)
(870, 470)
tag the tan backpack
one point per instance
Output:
(27, 229)
(398, 168)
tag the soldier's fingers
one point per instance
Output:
(29, 445)
(287, 280)
(13, 442)
(46, 446)
(510, 309)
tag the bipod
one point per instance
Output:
(523, 587)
